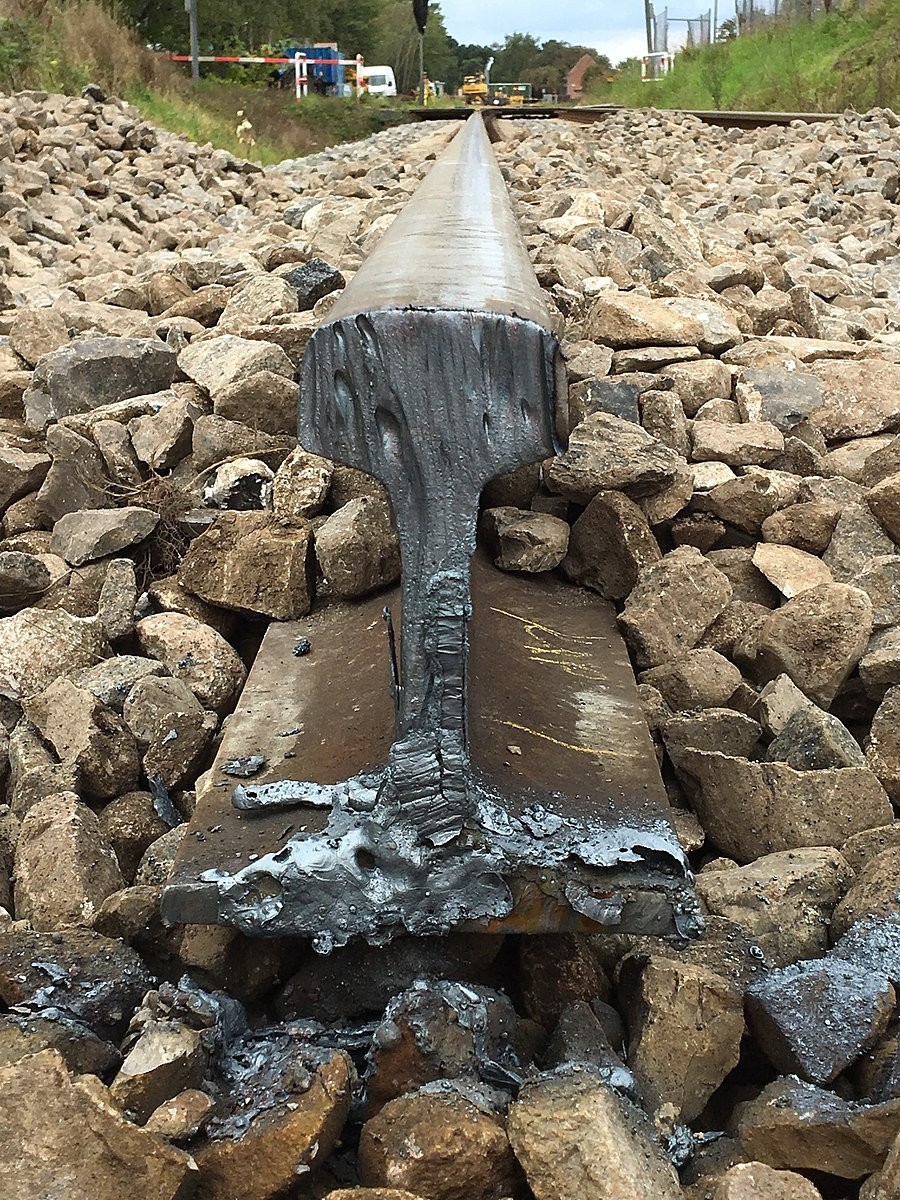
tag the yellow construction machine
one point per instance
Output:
(474, 88)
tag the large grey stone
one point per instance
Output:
(95, 371)
(80, 537)
(607, 453)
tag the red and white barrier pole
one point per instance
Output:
(359, 75)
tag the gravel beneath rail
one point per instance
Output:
(729, 304)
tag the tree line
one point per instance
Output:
(383, 31)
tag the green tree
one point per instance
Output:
(469, 59)
(396, 44)
(514, 57)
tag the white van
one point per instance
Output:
(380, 81)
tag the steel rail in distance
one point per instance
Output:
(586, 114)
(519, 790)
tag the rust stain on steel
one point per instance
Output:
(436, 371)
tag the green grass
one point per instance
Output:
(846, 59)
(282, 127)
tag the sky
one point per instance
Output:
(610, 27)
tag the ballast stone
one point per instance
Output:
(90, 373)
(574, 1136)
(90, 534)
(110, 1159)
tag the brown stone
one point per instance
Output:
(606, 453)
(556, 970)
(87, 735)
(300, 1131)
(194, 653)
(62, 1136)
(246, 563)
(181, 1118)
(756, 1181)
(376, 1193)
(861, 848)
(699, 382)
(131, 824)
(884, 501)
(439, 1145)
(662, 416)
(39, 645)
(166, 1059)
(879, 667)
(783, 900)
(522, 540)
(301, 486)
(880, 580)
(702, 679)
(817, 639)
(883, 744)
(574, 1137)
(628, 319)
(790, 570)
(753, 808)
(97, 980)
(748, 444)
(807, 526)
(82, 1051)
(65, 867)
(266, 401)
(873, 892)
(423, 1037)
(797, 1126)
(685, 1025)
(857, 539)
(720, 729)
(861, 398)
(747, 581)
(673, 604)
(609, 545)
(749, 499)
(358, 548)
(814, 740)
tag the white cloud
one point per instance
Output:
(615, 30)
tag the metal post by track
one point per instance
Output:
(512, 782)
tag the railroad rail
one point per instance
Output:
(497, 772)
(586, 114)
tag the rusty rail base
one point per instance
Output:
(587, 114)
(569, 825)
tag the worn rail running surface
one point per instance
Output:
(497, 772)
(586, 114)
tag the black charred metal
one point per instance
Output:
(437, 370)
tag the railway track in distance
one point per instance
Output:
(590, 113)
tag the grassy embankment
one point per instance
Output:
(846, 59)
(59, 47)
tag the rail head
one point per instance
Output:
(455, 246)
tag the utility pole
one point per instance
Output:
(190, 7)
(648, 17)
(420, 14)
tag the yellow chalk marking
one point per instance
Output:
(565, 745)
(566, 657)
